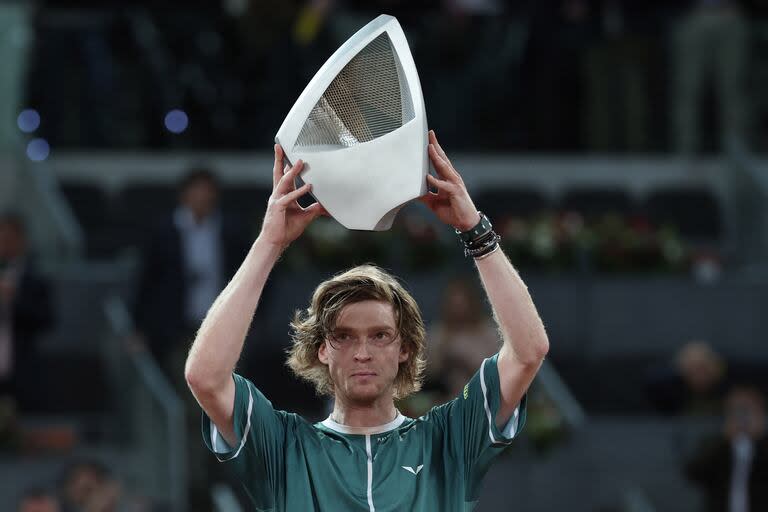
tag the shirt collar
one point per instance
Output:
(184, 219)
(378, 429)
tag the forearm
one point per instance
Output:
(220, 339)
(513, 309)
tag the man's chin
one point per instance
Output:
(365, 393)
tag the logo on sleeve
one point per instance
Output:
(414, 471)
(466, 391)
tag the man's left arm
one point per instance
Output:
(525, 341)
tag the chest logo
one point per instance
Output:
(412, 470)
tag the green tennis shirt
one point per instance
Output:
(435, 462)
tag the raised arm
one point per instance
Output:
(220, 339)
(525, 341)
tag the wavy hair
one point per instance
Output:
(310, 327)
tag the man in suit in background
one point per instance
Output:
(187, 260)
(732, 469)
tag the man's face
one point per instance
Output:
(82, 485)
(200, 196)
(363, 371)
(700, 366)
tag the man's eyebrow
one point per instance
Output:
(372, 328)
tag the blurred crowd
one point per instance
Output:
(556, 75)
(84, 486)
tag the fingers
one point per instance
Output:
(433, 140)
(442, 166)
(278, 167)
(315, 210)
(292, 196)
(443, 185)
(286, 183)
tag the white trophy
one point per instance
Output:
(361, 128)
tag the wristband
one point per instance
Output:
(478, 232)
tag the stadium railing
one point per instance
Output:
(150, 411)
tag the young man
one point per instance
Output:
(362, 341)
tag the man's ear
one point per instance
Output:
(405, 353)
(322, 353)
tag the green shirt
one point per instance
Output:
(435, 462)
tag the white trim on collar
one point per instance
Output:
(379, 429)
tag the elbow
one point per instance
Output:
(198, 382)
(542, 347)
(537, 351)
(192, 377)
(202, 380)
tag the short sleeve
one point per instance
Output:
(470, 421)
(260, 430)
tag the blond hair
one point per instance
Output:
(310, 327)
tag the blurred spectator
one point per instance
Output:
(38, 500)
(694, 384)
(81, 483)
(559, 31)
(25, 311)
(711, 49)
(89, 486)
(463, 335)
(188, 260)
(732, 469)
(618, 73)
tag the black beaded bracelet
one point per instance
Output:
(489, 246)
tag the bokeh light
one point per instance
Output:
(176, 121)
(28, 120)
(38, 150)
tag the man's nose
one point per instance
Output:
(362, 352)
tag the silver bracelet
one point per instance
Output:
(482, 257)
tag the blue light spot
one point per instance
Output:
(28, 120)
(176, 121)
(38, 150)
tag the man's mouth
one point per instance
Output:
(364, 374)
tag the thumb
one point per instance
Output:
(316, 210)
(426, 199)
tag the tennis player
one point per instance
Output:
(362, 341)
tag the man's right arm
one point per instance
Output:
(220, 339)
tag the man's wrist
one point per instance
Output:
(469, 224)
(268, 246)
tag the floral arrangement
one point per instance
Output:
(566, 242)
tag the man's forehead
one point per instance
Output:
(368, 314)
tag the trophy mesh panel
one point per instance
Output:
(369, 98)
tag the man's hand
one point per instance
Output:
(451, 203)
(285, 220)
